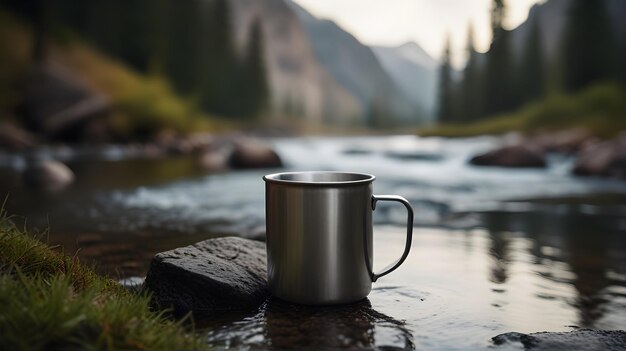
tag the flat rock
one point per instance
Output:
(217, 274)
(517, 156)
(582, 339)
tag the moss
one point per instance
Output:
(49, 300)
(601, 109)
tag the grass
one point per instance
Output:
(601, 109)
(50, 301)
(142, 105)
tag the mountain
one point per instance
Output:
(356, 67)
(300, 86)
(413, 70)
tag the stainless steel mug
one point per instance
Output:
(319, 236)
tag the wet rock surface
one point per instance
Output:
(583, 339)
(280, 325)
(216, 274)
(49, 175)
(517, 156)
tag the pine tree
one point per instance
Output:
(255, 87)
(185, 52)
(498, 93)
(446, 88)
(470, 94)
(531, 73)
(589, 47)
(222, 69)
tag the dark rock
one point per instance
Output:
(511, 156)
(55, 100)
(582, 339)
(49, 175)
(216, 274)
(14, 138)
(252, 153)
(607, 158)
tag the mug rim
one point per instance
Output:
(275, 178)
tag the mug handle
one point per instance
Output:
(409, 234)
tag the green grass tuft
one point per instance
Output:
(49, 300)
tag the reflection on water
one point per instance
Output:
(494, 251)
(278, 324)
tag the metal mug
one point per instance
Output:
(319, 236)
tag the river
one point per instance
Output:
(494, 250)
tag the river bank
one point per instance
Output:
(52, 301)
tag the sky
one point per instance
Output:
(426, 22)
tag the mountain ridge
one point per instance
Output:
(358, 69)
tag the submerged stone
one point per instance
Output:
(216, 274)
(583, 339)
(516, 156)
(49, 175)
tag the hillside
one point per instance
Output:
(136, 105)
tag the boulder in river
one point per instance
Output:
(607, 158)
(566, 141)
(216, 274)
(582, 339)
(253, 153)
(517, 156)
(49, 175)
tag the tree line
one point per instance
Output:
(189, 42)
(498, 81)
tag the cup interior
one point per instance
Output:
(319, 177)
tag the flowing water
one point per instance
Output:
(494, 250)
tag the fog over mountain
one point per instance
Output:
(413, 70)
(357, 68)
